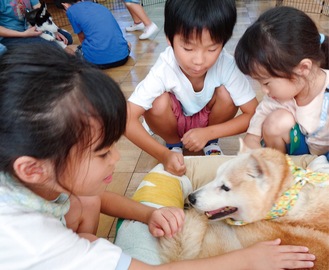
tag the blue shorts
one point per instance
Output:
(297, 145)
(133, 1)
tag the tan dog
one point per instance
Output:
(249, 190)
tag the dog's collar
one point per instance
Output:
(289, 197)
(49, 33)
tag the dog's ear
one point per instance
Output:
(30, 16)
(43, 9)
(258, 170)
(243, 147)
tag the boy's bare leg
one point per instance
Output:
(221, 107)
(162, 120)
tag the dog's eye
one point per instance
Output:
(226, 188)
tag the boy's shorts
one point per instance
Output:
(185, 123)
(133, 1)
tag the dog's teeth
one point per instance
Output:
(208, 214)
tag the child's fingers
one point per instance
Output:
(292, 264)
(293, 249)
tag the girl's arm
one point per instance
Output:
(30, 32)
(264, 255)
(252, 141)
(163, 221)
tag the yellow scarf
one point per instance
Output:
(288, 198)
(160, 189)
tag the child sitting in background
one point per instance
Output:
(102, 41)
(58, 135)
(192, 94)
(285, 53)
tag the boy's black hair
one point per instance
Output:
(47, 101)
(187, 17)
(58, 3)
(277, 41)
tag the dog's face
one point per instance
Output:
(41, 18)
(245, 187)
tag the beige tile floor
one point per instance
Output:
(135, 163)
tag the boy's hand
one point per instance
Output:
(166, 221)
(270, 255)
(173, 162)
(195, 139)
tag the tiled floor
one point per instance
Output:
(134, 163)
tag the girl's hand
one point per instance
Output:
(31, 32)
(166, 221)
(271, 255)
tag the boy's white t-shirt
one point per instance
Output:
(308, 118)
(166, 75)
(31, 237)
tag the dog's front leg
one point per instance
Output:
(47, 37)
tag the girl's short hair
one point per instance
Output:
(277, 42)
(47, 98)
(187, 17)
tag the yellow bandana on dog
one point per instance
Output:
(160, 189)
(288, 198)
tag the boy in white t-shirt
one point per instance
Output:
(191, 95)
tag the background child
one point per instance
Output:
(194, 90)
(13, 27)
(140, 18)
(102, 41)
(283, 51)
(57, 155)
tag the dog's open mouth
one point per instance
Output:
(221, 212)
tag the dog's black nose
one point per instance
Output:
(191, 198)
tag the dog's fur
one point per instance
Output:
(251, 183)
(41, 18)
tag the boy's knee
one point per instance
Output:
(160, 105)
(223, 95)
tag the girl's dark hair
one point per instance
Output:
(47, 98)
(278, 41)
(186, 16)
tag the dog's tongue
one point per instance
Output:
(221, 212)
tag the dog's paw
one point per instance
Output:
(48, 37)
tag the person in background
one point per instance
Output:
(285, 53)
(14, 29)
(102, 41)
(141, 21)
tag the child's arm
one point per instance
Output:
(135, 132)
(165, 221)
(264, 255)
(196, 139)
(81, 37)
(252, 141)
